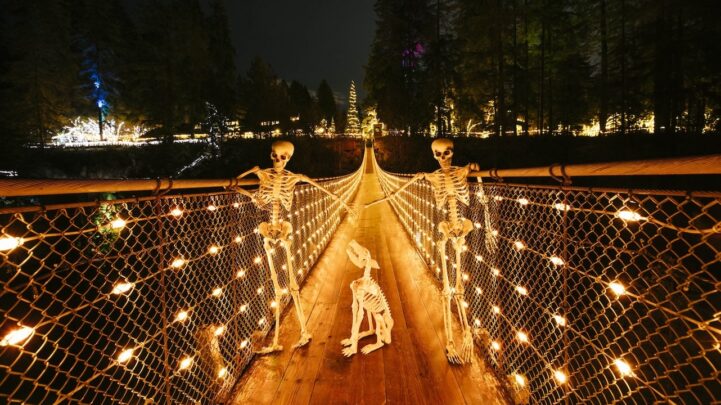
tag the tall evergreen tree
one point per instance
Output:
(353, 122)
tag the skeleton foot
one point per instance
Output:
(351, 350)
(452, 354)
(467, 346)
(304, 339)
(270, 349)
(369, 348)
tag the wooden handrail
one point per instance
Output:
(31, 187)
(696, 165)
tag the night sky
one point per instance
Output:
(305, 40)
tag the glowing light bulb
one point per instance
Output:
(238, 239)
(496, 309)
(125, 355)
(477, 322)
(17, 336)
(243, 307)
(181, 316)
(562, 207)
(212, 207)
(261, 321)
(560, 376)
(213, 250)
(121, 288)
(9, 243)
(479, 291)
(273, 304)
(236, 205)
(240, 274)
(523, 201)
(178, 263)
(185, 363)
(257, 260)
(176, 212)
(260, 290)
(217, 292)
(219, 330)
(617, 288)
(520, 380)
(521, 290)
(118, 223)
(519, 245)
(464, 303)
(494, 232)
(495, 345)
(556, 261)
(284, 291)
(522, 336)
(623, 367)
(496, 272)
(222, 372)
(466, 277)
(560, 320)
(479, 258)
(629, 216)
(477, 225)
(244, 344)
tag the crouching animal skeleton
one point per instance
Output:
(450, 187)
(275, 192)
(367, 298)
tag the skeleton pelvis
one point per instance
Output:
(278, 231)
(463, 228)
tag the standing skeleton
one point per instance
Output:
(367, 298)
(450, 187)
(275, 192)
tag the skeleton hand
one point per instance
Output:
(474, 167)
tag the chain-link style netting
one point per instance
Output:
(149, 300)
(579, 295)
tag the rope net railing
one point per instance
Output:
(579, 295)
(158, 299)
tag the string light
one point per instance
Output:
(243, 308)
(217, 292)
(181, 316)
(479, 291)
(496, 309)
(617, 288)
(519, 245)
(521, 290)
(122, 288)
(522, 336)
(260, 290)
(244, 344)
(238, 239)
(495, 272)
(257, 260)
(560, 320)
(219, 330)
(523, 201)
(236, 205)
(556, 261)
(178, 263)
(495, 345)
(212, 207)
(117, 223)
(213, 249)
(240, 274)
(520, 380)
(560, 376)
(222, 372)
(17, 336)
(176, 212)
(623, 367)
(477, 322)
(273, 304)
(8, 243)
(562, 207)
(185, 363)
(125, 355)
(629, 216)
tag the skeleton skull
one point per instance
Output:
(443, 151)
(360, 256)
(281, 153)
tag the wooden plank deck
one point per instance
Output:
(411, 370)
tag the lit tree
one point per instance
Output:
(331, 127)
(353, 125)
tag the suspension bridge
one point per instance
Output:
(574, 294)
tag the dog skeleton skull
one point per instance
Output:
(368, 298)
(275, 193)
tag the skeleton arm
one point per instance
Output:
(243, 191)
(321, 188)
(418, 176)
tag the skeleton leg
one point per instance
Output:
(295, 296)
(451, 352)
(380, 333)
(361, 335)
(357, 320)
(276, 287)
(467, 344)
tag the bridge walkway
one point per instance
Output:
(413, 369)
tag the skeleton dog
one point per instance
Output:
(367, 298)
(450, 187)
(275, 192)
